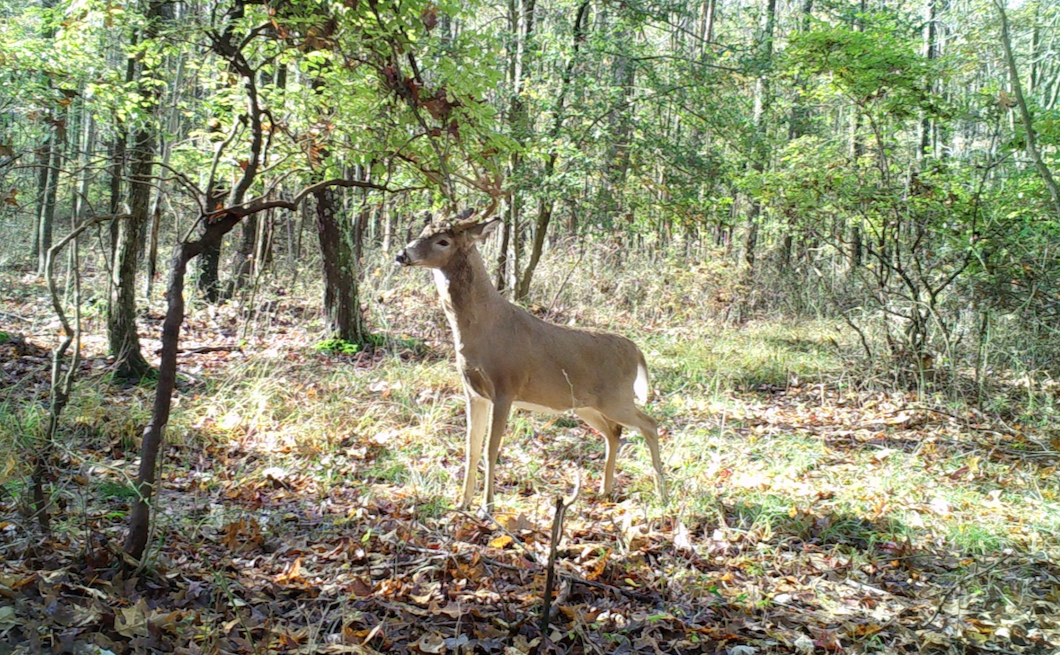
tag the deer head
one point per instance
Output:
(441, 240)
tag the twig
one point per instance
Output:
(557, 533)
(957, 583)
(15, 316)
(206, 349)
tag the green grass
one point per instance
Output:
(21, 427)
(116, 490)
(763, 434)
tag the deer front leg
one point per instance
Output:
(498, 423)
(477, 422)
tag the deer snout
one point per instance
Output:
(403, 258)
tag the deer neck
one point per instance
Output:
(468, 297)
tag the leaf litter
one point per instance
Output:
(255, 554)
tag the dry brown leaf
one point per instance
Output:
(132, 621)
(291, 574)
(431, 643)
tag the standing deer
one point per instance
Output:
(509, 358)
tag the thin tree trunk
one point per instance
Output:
(123, 338)
(44, 157)
(243, 268)
(762, 101)
(925, 126)
(1025, 115)
(208, 281)
(798, 126)
(522, 17)
(544, 213)
(172, 125)
(140, 515)
(46, 220)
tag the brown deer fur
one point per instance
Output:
(509, 358)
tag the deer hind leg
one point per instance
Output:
(497, 424)
(612, 432)
(477, 422)
(632, 417)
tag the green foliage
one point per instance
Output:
(878, 67)
(337, 347)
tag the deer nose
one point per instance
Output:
(403, 258)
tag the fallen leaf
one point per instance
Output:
(292, 574)
(7, 618)
(132, 621)
(431, 643)
(501, 541)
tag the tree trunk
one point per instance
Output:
(762, 101)
(243, 268)
(123, 339)
(208, 281)
(172, 126)
(140, 516)
(544, 214)
(925, 127)
(341, 297)
(1025, 115)
(122, 336)
(46, 219)
(44, 156)
(521, 23)
(798, 126)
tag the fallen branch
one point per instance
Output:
(205, 349)
(557, 533)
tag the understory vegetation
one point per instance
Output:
(307, 499)
(229, 424)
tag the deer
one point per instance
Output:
(510, 359)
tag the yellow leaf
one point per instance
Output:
(292, 574)
(598, 568)
(501, 541)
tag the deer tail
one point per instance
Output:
(640, 385)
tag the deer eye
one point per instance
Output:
(444, 243)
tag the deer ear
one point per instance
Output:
(482, 230)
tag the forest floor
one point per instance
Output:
(307, 499)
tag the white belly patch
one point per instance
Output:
(537, 408)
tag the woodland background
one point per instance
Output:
(228, 424)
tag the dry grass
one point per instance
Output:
(785, 469)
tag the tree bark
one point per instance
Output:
(46, 219)
(245, 252)
(762, 101)
(544, 213)
(172, 126)
(341, 296)
(522, 23)
(44, 155)
(140, 516)
(1025, 115)
(122, 336)
(208, 281)
(925, 127)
